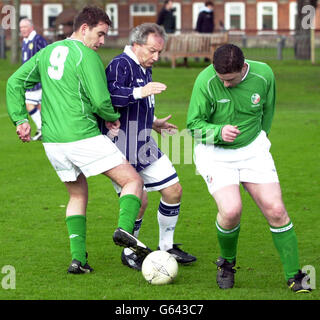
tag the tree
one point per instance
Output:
(15, 48)
(304, 22)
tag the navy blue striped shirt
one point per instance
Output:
(30, 46)
(124, 74)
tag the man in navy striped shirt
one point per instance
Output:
(32, 43)
(132, 91)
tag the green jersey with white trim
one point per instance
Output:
(74, 89)
(249, 105)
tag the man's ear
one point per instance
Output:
(83, 28)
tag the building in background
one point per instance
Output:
(249, 17)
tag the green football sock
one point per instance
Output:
(285, 240)
(228, 242)
(76, 225)
(129, 210)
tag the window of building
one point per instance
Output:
(177, 13)
(234, 16)
(25, 11)
(292, 15)
(267, 18)
(112, 11)
(142, 12)
(50, 13)
(139, 9)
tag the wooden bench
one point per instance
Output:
(188, 45)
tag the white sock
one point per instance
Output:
(36, 117)
(167, 219)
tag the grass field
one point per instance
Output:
(33, 234)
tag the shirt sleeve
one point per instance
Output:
(91, 73)
(119, 76)
(24, 78)
(269, 106)
(199, 112)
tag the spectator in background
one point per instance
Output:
(31, 44)
(205, 22)
(166, 17)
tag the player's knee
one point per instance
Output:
(173, 193)
(231, 215)
(277, 215)
(137, 180)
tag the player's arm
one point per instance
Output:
(199, 113)
(269, 106)
(24, 78)
(91, 72)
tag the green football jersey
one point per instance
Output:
(249, 105)
(74, 89)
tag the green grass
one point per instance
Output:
(33, 235)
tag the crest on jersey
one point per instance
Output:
(255, 98)
(30, 46)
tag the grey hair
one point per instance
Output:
(140, 33)
(27, 20)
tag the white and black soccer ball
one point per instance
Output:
(159, 267)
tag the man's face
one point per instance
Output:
(25, 28)
(149, 53)
(231, 80)
(94, 37)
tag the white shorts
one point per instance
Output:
(90, 156)
(34, 97)
(159, 175)
(221, 167)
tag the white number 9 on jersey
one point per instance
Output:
(57, 59)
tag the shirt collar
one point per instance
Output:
(31, 36)
(245, 75)
(128, 51)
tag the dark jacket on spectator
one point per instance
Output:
(167, 20)
(205, 22)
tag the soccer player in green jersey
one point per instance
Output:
(74, 89)
(230, 116)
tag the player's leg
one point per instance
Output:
(168, 214)
(138, 222)
(269, 199)
(131, 185)
(76, 224)
(229, 205)
(128, 256)
(161, 176)
(222, 180)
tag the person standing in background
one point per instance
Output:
(31, 44)
(166, 17)
(205, 22)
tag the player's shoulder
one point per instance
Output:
(122, 60)
(39, 37)
(260, 68)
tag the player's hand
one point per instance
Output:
(152, 88)
(113, 128)
(24, 132)
(162, 126)
(229, 133)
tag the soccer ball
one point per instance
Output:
(159, 267)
